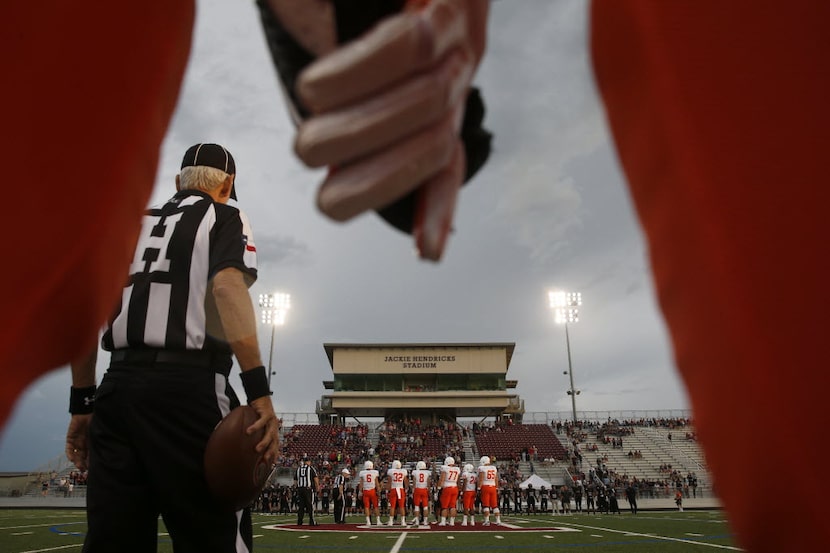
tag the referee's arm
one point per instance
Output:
(233, 302)
(83, 376)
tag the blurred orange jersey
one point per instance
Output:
(721, 119)
(95, 86)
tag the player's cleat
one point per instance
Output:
(486, 523)
(464, 523)
(390, 523)
(442, 524)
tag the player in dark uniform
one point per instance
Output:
(590, 493)
(184, 310)
(506, 495)
(530, 499)
(325, 496)
(631, 496)
(578, 493)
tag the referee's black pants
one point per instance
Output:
(305, 499)
(339, 510)
(147, 443)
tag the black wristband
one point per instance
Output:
(82, 400)
(255, 382)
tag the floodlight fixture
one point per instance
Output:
(565, 306)
(275, 309)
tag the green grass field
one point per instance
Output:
(31, 531)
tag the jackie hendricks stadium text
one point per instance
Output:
(418, 361)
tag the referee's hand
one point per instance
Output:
(77, 441)
(270, 443)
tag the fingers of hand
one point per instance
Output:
(77, 455)
(380, 179)
(403, 44)
(270, 438)
(355, 131)
(436, 207)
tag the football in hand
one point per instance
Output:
(235, 471)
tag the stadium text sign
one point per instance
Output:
(419, 361)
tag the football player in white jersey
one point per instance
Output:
(448, 482)
(469, 483)
(488, 481)
(369, 485)
(398, 484)
(421, 481)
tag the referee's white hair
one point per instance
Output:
(201, 177)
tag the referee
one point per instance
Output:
(307, 485)
(339, 493)
(184, 310)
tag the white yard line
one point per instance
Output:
(398, 544)
(665, 538)
(53, 548)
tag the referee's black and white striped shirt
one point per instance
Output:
(305, 476)
(166, 303)
(338, 481)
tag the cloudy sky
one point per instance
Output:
(549, 210)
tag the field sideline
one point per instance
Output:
(47, 530)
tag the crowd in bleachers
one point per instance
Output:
(329, 445)
(408, 439)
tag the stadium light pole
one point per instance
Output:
(565, 307)
(274, 312)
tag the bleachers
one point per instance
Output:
(656, 450)
(432, 448)
(507, 441)
(312, 439)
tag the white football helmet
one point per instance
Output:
(468, 468)
(449, 461)
(368, 465)
(421, 465)
(396, 464)
(485, 460)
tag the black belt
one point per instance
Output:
(188, 358)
